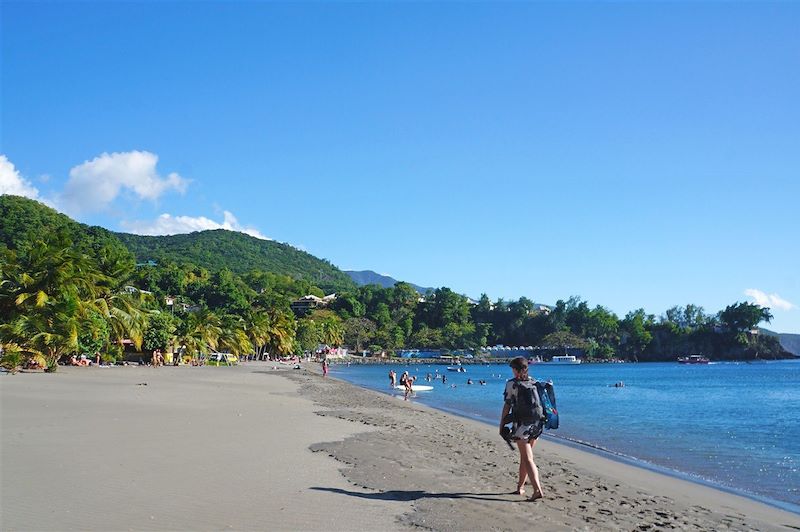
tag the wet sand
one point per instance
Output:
(252, 448)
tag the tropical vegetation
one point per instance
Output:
(66, 288)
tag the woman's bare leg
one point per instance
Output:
(523, 476)
(526, 460)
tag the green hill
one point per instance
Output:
(240, 253)
(22, 220)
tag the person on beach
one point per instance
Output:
(407, 381)
(325, 367)
(392, 378)
(526, 429)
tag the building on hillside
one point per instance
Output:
(310, 302)
(133, 290)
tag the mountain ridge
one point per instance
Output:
(789, 341)
(365, 277)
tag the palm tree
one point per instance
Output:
(123, 306)
(333, 332)
(200, 332)
(330, 327)
(125, 314)
(281, 332)
(45, 292)
(233, 336)
(257, 329)
(51, 334)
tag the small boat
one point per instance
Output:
(693, 359)
(459, 369)
(565, 359)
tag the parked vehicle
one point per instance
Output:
(222, 359)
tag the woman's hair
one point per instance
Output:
(519, 363)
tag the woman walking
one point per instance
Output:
(521, 400)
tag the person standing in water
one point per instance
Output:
(407, 381)
(527, 427)
(392, 378)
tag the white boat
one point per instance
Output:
(415, 388)
(565, 359)
(693, 359)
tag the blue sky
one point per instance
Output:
(634, 154)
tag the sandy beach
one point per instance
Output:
(256, 448)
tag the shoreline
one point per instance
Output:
(356, 360)
(632, 461)
(589, 446)
(250, 447)
(663, 492)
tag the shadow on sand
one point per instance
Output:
(413, 495)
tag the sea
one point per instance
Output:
(734, 426)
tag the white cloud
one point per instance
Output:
(773, 301)
(167, 224)
(93, 185)
(11, 182)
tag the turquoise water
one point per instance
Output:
(731, 425)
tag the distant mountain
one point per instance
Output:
(790, 342)
(365, 277)
(23, 220)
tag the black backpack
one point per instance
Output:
(527, 408)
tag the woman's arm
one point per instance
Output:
(506, 410)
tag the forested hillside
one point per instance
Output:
(23, 220)
(239, 253)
